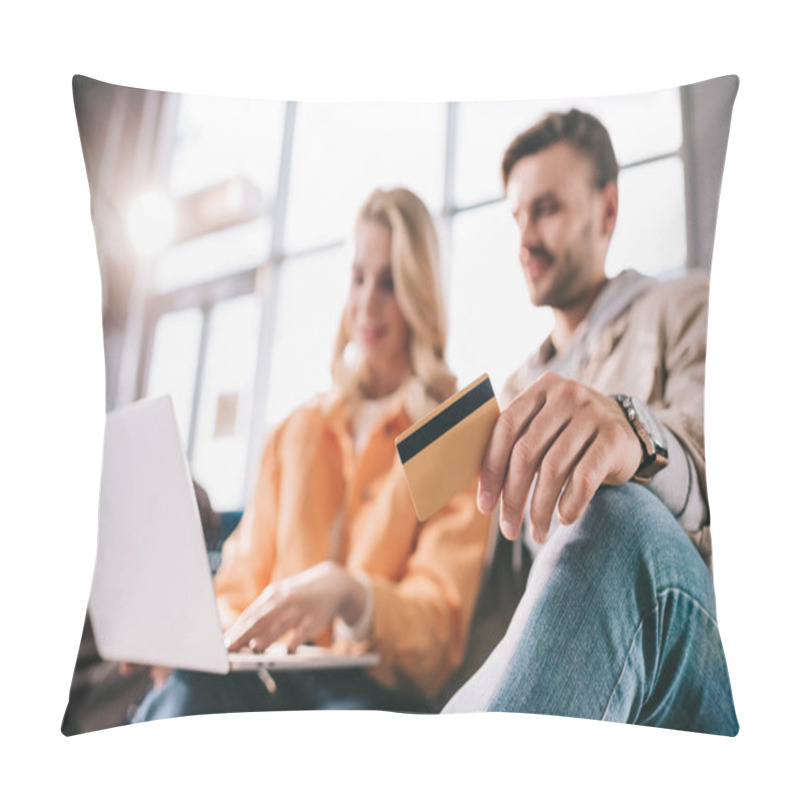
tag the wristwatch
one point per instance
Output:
(651, 435)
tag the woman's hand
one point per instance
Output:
(304, 605)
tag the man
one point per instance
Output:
(605, 425)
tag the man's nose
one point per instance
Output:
(530, 235)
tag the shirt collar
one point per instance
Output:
(614, 298)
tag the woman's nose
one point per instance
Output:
(370, 296)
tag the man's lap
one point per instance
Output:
(617, 618)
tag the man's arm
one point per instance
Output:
(678, 486)
(682, 485)
(524, 440)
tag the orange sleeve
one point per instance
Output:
(421, 622)
(248, 555)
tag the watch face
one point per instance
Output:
(652, 426)
(652, 436)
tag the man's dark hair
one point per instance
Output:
(583, 131)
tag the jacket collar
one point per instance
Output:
(614, 299)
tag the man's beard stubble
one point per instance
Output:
(571, 285)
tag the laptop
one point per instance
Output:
(152, 599)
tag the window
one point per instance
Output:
(313, 291)
(212, 255)
(492, 325)
(650, 235)
(343, 151)
(176, 348)
(248, 220)
(218, 138)
(223, 418)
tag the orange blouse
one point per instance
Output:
(424, 576)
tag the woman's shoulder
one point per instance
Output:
(311, 413)
(309, 417)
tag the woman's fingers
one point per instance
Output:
(159, 675)
(235, 635)
(301, 633)
(268, 630)
(304, 604)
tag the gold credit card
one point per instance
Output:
(442, 453)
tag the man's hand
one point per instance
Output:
(572, 438)
(304, 605)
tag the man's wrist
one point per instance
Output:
(651, 435)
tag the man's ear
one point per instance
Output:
(609, 198)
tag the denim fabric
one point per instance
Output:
(618, 622)
(188, 693)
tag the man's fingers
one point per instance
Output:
(569, 438)
(584, 481)
(554, 470)
(611, 459)
(526, 456)
(507, 430)
(495, 461)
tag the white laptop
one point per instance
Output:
(152, 599)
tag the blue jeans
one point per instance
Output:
(617, 622)
(187, 693)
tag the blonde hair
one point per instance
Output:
(415, 272)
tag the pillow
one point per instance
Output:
(223, 231)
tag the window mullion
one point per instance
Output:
(268, 286)
(199, 379)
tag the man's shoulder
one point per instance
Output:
(683, 297)
(518, 380)
(680, 292)
(671, 310)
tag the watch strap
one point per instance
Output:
(654, 455)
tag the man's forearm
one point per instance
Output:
(678, 486)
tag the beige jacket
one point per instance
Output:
(647, 339)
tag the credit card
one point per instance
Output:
(442, 453)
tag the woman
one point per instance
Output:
(330, 546)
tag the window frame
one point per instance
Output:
(264, 279)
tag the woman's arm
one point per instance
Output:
(421, 622)
(248, 555)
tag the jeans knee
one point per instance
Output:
(629, 510)
(628, 529)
